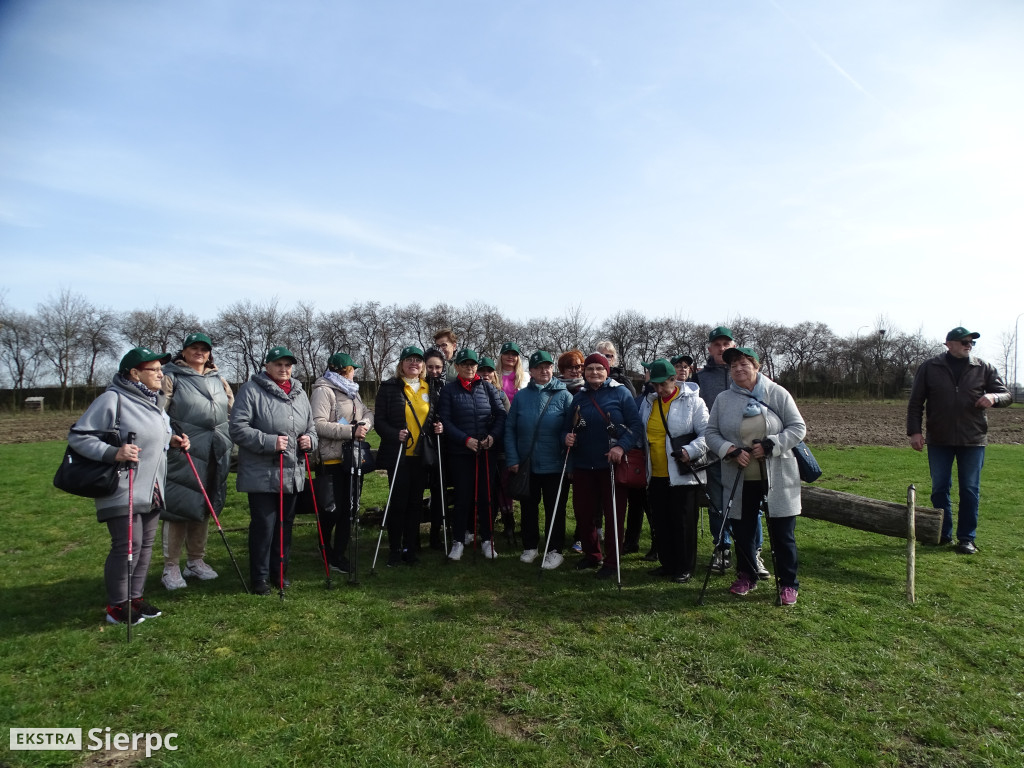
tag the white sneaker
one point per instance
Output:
(529, 555)
(456, 553)
(200, 570)
(762, 572)
(469, 538)
(488, 550)
(552, 560)
(172, 578)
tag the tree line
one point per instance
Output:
(70, 341)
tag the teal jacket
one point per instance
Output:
(548, 452)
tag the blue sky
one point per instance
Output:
(780, 159)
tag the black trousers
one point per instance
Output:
(334, 497)
(473, 473)
(544, 487)
(406, 508)
(265, 534)
(674, 511)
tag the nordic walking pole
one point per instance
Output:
(387, 507)
(577, 422)
(763, 466)
(316, 516)
(131, 532)
(444, 508)
(721, 532)
(615, 526)
(355, 493)
(209, 506)
(280, 526)
(490, 499)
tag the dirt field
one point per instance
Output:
(828, 423)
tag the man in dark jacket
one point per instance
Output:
(957, 389)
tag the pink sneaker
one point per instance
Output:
(788, 596)
(744, 583)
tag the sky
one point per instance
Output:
(787, 160)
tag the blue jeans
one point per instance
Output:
(719, 500)
(969, 461)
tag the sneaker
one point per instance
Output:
(762, 572)
(528, 556)
(552, 560)
(172, 578)
(118, 614)
(488, 550)
(787, 596)
(199, 570)
(394, 559)
(743, 584)
(261, 587)
(681, 578)
(577, 547)
(144, 609)
(341, 565)
(966, 548)
(587, 563)
(605, 572)
(721, 561)
(456, 553)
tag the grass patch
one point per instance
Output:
(486, 664)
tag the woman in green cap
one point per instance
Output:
(198, 402)
(133, 403)
(272, 425)
(340, 417)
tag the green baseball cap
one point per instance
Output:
(540, 357)
(279, 353)
(510, 346)
(341, 360)
(662, 370)
(961, 333)
(467, 356)
(719, 332)
(197, 337)
(135, 357)
(488, 362)
(732, 353)
(410, 351)
(681, 359)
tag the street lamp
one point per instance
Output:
(1016, 344)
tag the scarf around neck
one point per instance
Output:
(755, 396)
(346, 385)
(146, 391)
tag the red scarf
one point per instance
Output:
(468, 385)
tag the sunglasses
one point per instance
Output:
(967, 343)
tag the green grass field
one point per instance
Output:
(487, 664)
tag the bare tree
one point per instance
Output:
(159, 328)
(572, 330)
(303, 331)
(62, 325)
(377, 330)
(686, 337)
(99, 338)
(20, 352)
(625, 329)
(246, 330)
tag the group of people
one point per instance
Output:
(481, 432)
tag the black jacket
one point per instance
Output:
(473, 412)
(389, 419)
(953, 418)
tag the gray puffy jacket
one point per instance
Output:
(198, 404)
(262, 411)
(152, 434)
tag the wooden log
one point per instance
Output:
(884, 517)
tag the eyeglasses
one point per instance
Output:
(150, 370)
(967, 342)
(574, 367)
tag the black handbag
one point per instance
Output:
(426, 448)
(87, 477)
(348, 451)
(679, 442)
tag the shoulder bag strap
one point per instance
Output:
(533, 442)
